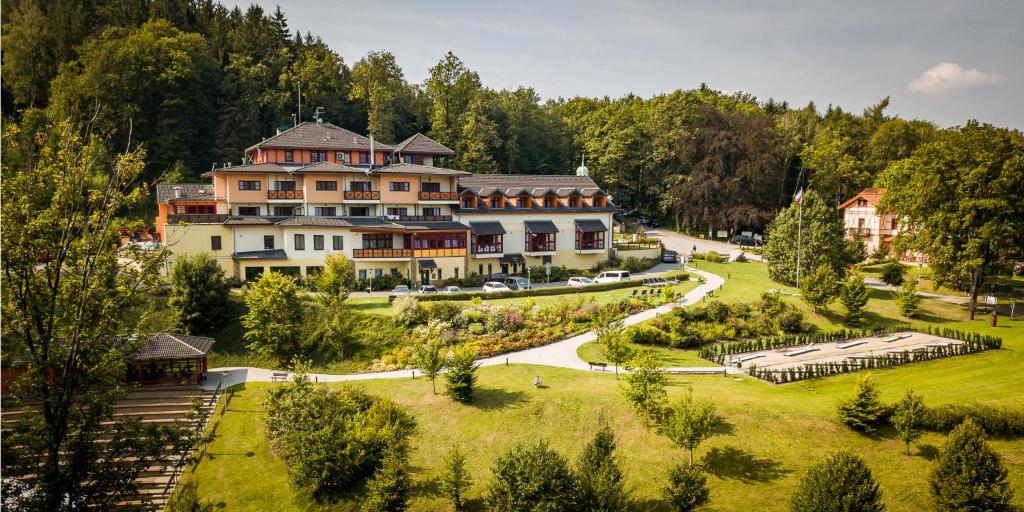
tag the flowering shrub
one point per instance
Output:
(407, 310)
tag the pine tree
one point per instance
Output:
(599, 477)
(854, 297)
(840, 483)
(907, 300)
(389, 489)
(969, 474)
(461, 374)
(907, 416)
(687, 488)
(863, 410)
(820, 288)
(456, 480)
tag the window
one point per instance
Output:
(440, 241)
(540, 242)
(496, 201)
(362, 275)
(284, 185)
(268, 242)
(394, 273)
(288, 156)
(398, 186)
(286, 271)
(337, 242)
(215, 243)
(284, 211)
(318, 156)
(300, 242)
(440, 273)
(341, 157)
(589, 241)
(207, 209)
(523, 202)
(327, 185)
(318, 242)
(432, 212)
(487, 244)
(253, 273)
(377, 241)
(313, 271)
(359, 211)
(364, 157)
(467, 201)
(481, 269)
(549, 202)
(359, 186)
(325, 211)
(248, 185)
(397, 212)
(456, 272)
(894, 224)
(248, 211)
(407, 159)
(430, 187)
(574, 202)
(378, 273)
(862, 202)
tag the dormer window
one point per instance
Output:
(574, 201)
(496, 201)
(523, 202)
(467, 202)
(407, 159)
(549, 202)
(318, 156)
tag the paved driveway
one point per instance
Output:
(684, 244)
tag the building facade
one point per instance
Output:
(863, 219)
(316, 189)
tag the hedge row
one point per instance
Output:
(997, 421)
(541, 292)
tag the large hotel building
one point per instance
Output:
(316, 189)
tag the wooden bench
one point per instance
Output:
(601, 366)
(278, 376)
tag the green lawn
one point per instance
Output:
(667, 357)
(771, 434)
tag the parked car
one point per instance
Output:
(452, 289)
(744, 240)
(670, 257)
(428, 289)
(498, 278)
(401, 290)
(576, 282)
(494, 286)
(518, 283)
(612, 276)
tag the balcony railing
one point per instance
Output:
(362, 195)
(425, 218)
(284, 194)
(489, 249)
(196, 218)
(439, 196)
(440, 253)
(859, 231)
(382, 253)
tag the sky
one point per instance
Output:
(942, 61)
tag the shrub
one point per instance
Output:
(445, 311)
(906, 418)
(407, 310)
(461, 374)
(907, 300)
(389, 489)
(716, 311)
(790, 321)
(475, 328)
(995, 421)
(841, 482)
(200, 293)
(713, 257)
(820, 288)
(332, 440)
(893, 272)
(531, 478)
(647, 334)
(687, 488)
(969, 474)
(598, 475)
(863, 411)
(854, 297)
(456, 480)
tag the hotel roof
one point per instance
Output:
(420, 143)
(314, 135)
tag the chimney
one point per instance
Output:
(177, 192)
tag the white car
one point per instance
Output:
(576, 282)
(401, 290)
(452, 289)
(612, 276)
(494, 286)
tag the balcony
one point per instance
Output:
(362, 195)
(439, 196)
(863, 232)
(196, 218)
(440, 253)
(425, 218)
(284, 194)
(381, 253)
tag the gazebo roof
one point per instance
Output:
(166, 345)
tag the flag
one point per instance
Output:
(799, 197)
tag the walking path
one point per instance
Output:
(561, 354)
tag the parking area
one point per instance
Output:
(852, 349)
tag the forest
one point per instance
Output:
(193, 83)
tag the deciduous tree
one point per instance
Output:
(819, 237)
(274, 320)
(645, 386)
(531, 478)
(200, 293)
(907, 416)
(820, 288)
(689, 422)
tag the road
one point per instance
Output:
(684, 244)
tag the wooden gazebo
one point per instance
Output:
(168, 358)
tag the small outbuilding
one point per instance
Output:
(168, 358)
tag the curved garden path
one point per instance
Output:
(561, 354)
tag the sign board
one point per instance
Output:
(747, 233)
(990, 300)
(547, 268)
(722, 234)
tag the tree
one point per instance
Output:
(450, 87)
(461, 374)
(598, 475)
(478, 141)
(379, 85)
(338, 275)
(334, 282)
(200, 293)
(66, 292)
(531, 478)
(614, 344)
(429, 359)
(893, 272)
(820, 288)
(838, 171)
(645, 386)
(274, 320)
(854, 297)
(969, 474)
(907, 300)
(820, 241)
(687, 488)
(907, 416)
(689, 422)
(960, 197)
(842, 482)
(863, 411)
(456, 479)
(389, 489)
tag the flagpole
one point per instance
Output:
(799, 225)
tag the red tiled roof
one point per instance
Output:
(872, 195)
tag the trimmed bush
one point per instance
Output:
(840, 483)
(893, 272)
(713, 257)
(687, 488)
(969, 474)
(531, 478)
(995, 421)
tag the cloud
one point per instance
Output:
(948, 77)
